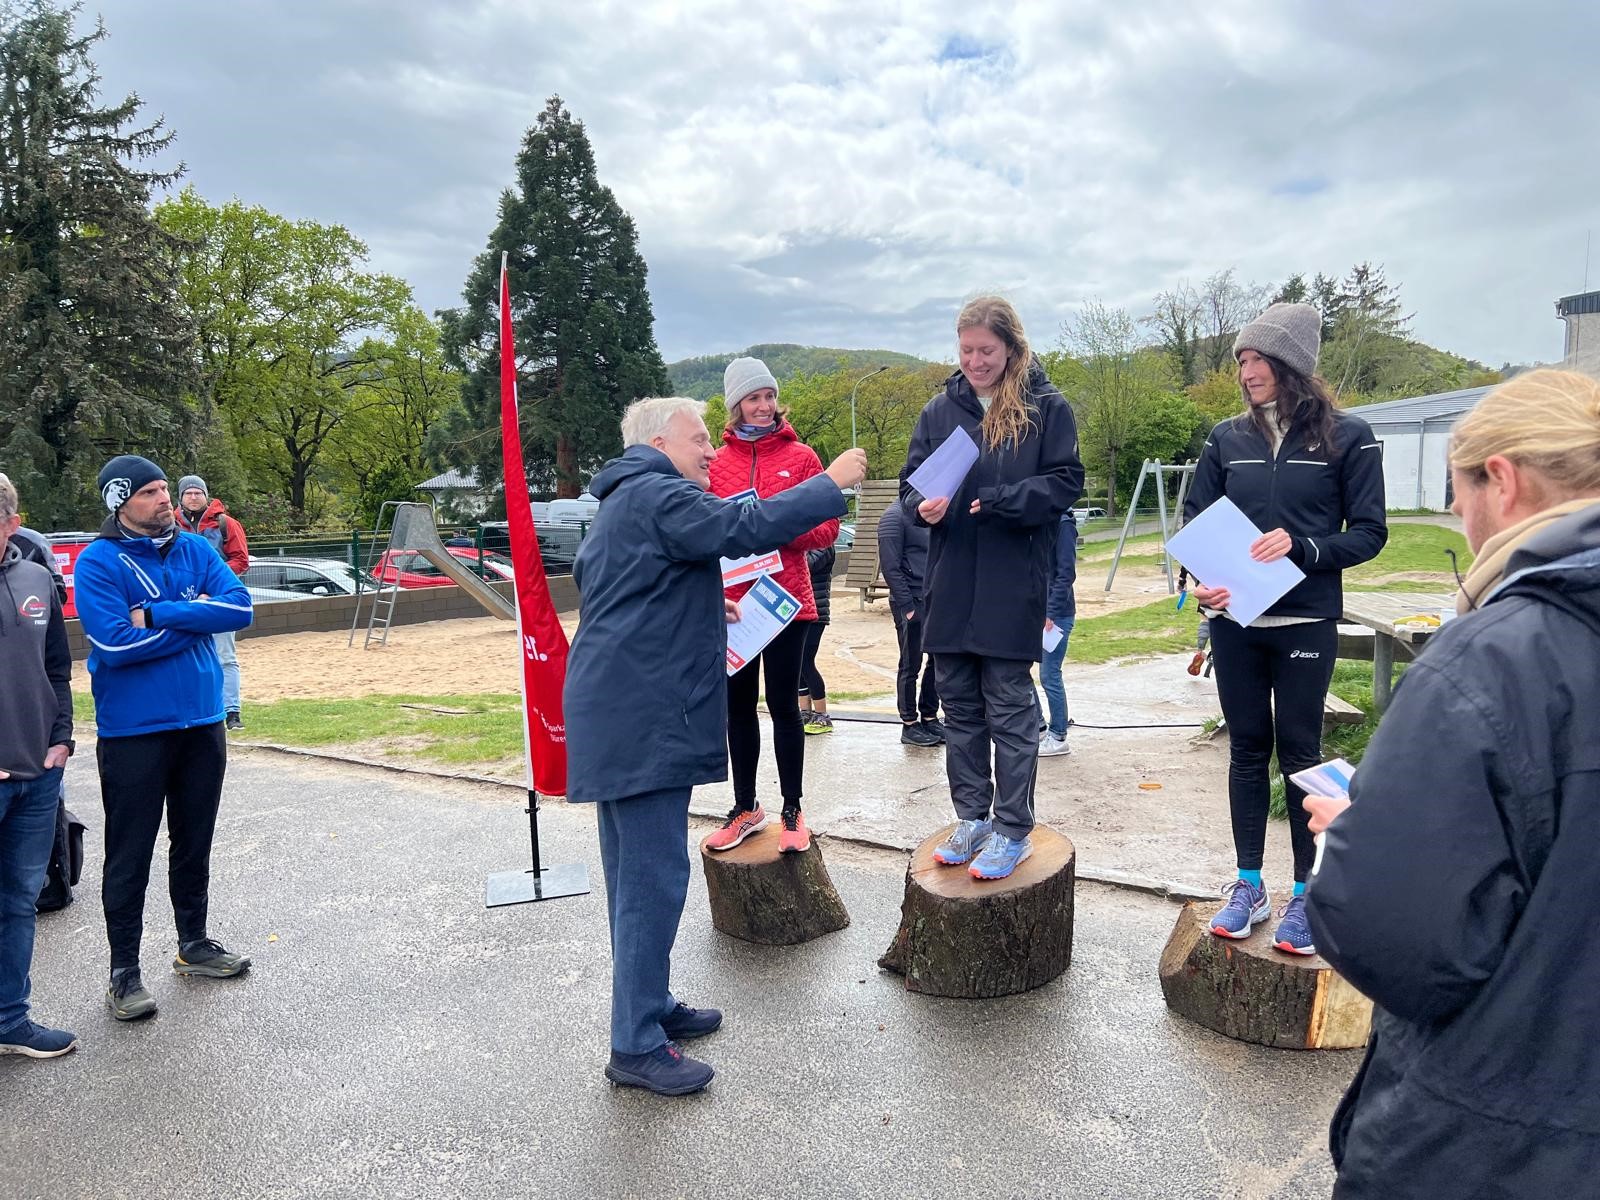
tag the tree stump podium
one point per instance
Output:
(971, 938)
(760, 895)
(1252, 992)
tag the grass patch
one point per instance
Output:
(1415, 548)
(1157, 628)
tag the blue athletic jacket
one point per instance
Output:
(166, 676)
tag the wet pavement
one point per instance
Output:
(396, 1039)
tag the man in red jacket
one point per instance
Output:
(199, 513)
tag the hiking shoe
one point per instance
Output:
(684, 1022)
(1001, 856)
(211, 959)
(1197, 662)
(666, 1071)
(794, 838)
(741, 823)
(234, 721)
(934, 726)
(819, 723)
(1051, 745)
(127, 998)
(35, 1041)
(965, 840)
(1246, 908)
(1294, 931)
(917, 735)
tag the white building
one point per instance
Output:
(1416, 444)
(1582, 316)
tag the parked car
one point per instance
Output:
(558, 543)
(571, 512)
(847, 537)
(270, 578)
(1088, 514)
(411, 570)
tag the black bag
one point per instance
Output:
(66, 860)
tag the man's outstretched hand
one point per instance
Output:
(849, 469)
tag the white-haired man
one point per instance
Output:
(647, 672)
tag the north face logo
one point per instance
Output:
(1304, 654)
(33, 608)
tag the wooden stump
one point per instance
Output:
(1250, 991)
(970, 938)
(760, 895)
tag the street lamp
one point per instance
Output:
(859, 382)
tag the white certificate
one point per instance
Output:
(1052, 638)
(763, 613)
(1215, 546)
(940, 475)
(751, 566)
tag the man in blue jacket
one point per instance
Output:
(646, 699)
(150, 597)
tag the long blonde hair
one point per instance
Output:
(1008, 417)
(1546, 420)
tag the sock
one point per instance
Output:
(1253, 878)
(1300, 887)
(118, 972)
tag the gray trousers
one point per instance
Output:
(990, 703)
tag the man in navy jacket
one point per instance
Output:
(646, 699)
(150, 597)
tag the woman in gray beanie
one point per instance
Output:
(1312, 476)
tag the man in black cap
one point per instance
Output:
(151, 597)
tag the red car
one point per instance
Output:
(411, 570)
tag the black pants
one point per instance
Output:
(991, 714)
(1273, 683)
(780, 662)
(180, 770)
(811, 681)
(911, 663)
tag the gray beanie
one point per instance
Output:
(192, 481)
(1290, 333)
(743, 376)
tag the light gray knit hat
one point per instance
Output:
(1290, 333)
(743, 376)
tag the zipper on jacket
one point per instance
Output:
(752, 466)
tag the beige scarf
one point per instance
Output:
(1490, 564)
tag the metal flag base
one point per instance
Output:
(539, 882)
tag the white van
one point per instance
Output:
(572, 512)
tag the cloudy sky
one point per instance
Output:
(845, 174)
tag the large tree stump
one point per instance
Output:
(972, 938)
(760, 895)
(1250, 991)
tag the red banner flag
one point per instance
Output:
(539, 632)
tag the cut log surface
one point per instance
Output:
(760, 895)
(971, 938)
(1251, 991)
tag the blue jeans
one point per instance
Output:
(644, 848)
(229, 658)
(1055, 692)
(27, 831)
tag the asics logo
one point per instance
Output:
(1304, 654)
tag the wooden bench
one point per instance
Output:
(863, 575)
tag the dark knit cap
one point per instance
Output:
(123, 476)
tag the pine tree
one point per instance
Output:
(581, 317)
(96, 357)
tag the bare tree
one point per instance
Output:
(1225, 306)
(1177, 316)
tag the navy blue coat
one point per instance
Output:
(1458, 892)
(646, 689)
(1061, 605)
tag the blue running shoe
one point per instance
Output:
(1294, 931)
(965, 840)
(684, 1022)
(1246, 908)
(1000, 857)
(666, 1071)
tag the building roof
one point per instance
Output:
(1572, 306)
(451, 481)
(1440, 406)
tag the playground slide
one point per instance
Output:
(414, 530)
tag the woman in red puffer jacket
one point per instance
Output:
(761, 451)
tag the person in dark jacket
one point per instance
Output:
(35, 743)
(37, 548)
(1060, 612)
(813, 688)
(150, 596)
(762, 453)
(1312, 477)
(989, 559)
(1456, 888)
(646, 699)
(903, 560)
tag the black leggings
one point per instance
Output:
(1273, 683)
(781, 663)
(811, 682)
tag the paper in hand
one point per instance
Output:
(1052, 638)
(940, 475)
(1215, 546)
